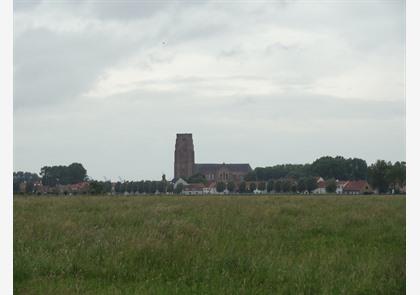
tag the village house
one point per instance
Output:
(177, 181)
(210, 188)
(193, 189)
(357, 187)
(321, 186)
(340, 186)
(76, 188)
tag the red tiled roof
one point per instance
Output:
(194, 186)
(78, 186)
(356, 185)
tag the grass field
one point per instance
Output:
(209, 245)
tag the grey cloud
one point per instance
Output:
(231, 52)
(129, 11)
(22, 5)
(320, 107)
(51, 67)
(131, 134)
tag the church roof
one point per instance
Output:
(212, 168)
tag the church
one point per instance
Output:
(185, 166)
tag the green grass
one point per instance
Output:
(209, 245)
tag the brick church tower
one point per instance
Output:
(184, 155)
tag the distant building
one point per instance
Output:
(184, 156)
(178, 181)
(340, 186)
(194, 189)
(357, 187)
(210, 188)
(223, 172)
(321, 187)
(76, 188)
(185, 166)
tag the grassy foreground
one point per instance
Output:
(209, 245)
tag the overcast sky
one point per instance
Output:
(110, 83)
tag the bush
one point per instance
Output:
(220, 186)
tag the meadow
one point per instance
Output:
(209, 245)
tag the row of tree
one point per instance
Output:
(131, 187)
(151, 187)
(286, 185)
(387, 177)
(381, 175)
(29, 179)
(326, 167)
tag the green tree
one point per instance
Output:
(327, 167)
(140, 186)
(261, 186)
(179, 188)
(29, 189)
(148, 187)
(118, 188)
(107, 186)
(278, 186)
(286, 186)
(170, 188)
(163, 184)
(395, 175)
(15, 186)
(96, 187)
(310, 183)
(129, 186)
(231, 186)
(252, 187)
(197, 178)
(293, 187)
(331, 185)
(28, 178)
(357, 169)
(161, 187)
(301, 185)
(74, 173)
(378, 175)
(153, 187)
(270, 186)
(242, 187)
(220, 186)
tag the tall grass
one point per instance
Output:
(209, 245)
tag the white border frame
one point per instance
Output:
(6, 151)
(6, 147)
(413, 147)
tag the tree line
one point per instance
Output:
(381, 175)
(285, 185)
(387, 176)
(326, 167)
(132, 187)
(28, 178)
(288, 178)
